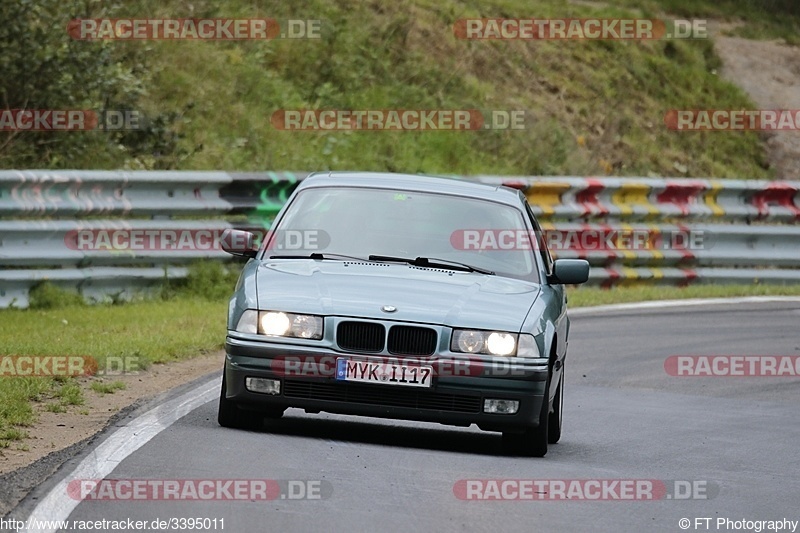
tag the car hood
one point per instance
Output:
(425, 295)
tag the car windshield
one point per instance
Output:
(363, 222)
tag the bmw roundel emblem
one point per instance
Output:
(388, 309)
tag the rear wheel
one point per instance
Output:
(230, 415)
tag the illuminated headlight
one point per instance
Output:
(484, 342)
(277, 324)
(501, 343)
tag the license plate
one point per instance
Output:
(384, 373)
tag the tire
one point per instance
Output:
(556, 418)
(230, 416)
(533, 441)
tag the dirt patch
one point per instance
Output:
(769, 71)
(57, 431)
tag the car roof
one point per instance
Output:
(413, 182)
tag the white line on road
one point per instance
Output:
(58, 505)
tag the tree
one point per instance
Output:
(43, 68)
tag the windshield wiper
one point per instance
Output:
(316, 255)
(431, 263)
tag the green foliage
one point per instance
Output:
(44, 68)
(591, 107)
(55, 408)
(45, 295)
(16, 395)
(70, 394)
(13, 434)
(142, 333)
(210, 280)
(107, 388)
(759, 19)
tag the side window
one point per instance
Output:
(541, 242)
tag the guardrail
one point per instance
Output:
(632, 230)
(661, 199)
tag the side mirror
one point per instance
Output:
(570, 271)
(238, 242)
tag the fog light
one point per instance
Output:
(501, 407)
(263, 386)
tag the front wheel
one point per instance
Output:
(230, 416)
(556, 418)
(533, 441)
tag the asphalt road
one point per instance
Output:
(625, 418)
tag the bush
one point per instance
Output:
(44, 68)
(210, 280)
(45, 295)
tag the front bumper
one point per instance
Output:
(454, 398)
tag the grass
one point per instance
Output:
(592, 107)
(591, 296)
(763, 19)
(13, 434)
(55, 408)
(139, 333)
(187, 321)
(107, 388)
(70, 394)
(18, 395)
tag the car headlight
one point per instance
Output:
(484, 342)
(279, 324)
(468, 341)
(307, 326)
